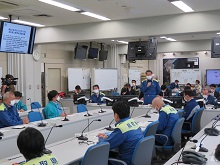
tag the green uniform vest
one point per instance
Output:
(127, 125)
(43, 160)
(168, 109)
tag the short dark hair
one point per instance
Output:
(52, 94)
(189, 84)
(30, 142)
(127, 85)
(96, 86)
(17, 94)
(188, 92)
(124, 89)
(149, 71)
(133, 81)
(217, 152)
(122, 108)
(176, 80)
(213, 85)
(163, 87)
(187, 88)
(77, 87)
(198, 81)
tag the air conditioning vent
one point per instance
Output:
(9, 3)
(4, 5)
(42, 15)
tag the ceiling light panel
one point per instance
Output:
(181, 5)
(96, 16)
(28, 23)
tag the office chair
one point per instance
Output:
(142, 153)
(35, 105)
(97, 154)
(34, 116)
(81, 108)
(151, 129)
(180, 113)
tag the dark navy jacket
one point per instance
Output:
(97, 98)
(211, 100)
(190, 109)
(173, 86)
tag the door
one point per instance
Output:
(54, 77)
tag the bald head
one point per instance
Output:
(157, 103)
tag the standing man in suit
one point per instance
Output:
(150, 88)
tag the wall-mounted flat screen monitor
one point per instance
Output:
(81, 52)
(103, 55)
(212, 76)
(215, 47)
(16, 38)
(93, 53)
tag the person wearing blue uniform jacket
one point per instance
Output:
(191, 106)
(8, 112)
(53, 109)
(126, 135)
(18, 103)
(209, 99)
(150, 88)
(167, 119)
(175, 85)
(97, 95)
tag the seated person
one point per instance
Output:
(167, 119)
(30, 143)
(198, 88)
(97, 95)
(134, 85)
(175, 85)
(127, 90)
(19, 105)
(53, 109)
(126, 134)
(78, 90)
(165, 91)
(191, 105)
(209, 99)
(213, 91)
(217, 153)
(8, 112)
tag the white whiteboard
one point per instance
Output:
(185, 75)
(107, 79)
(78, 76)
(135, 74)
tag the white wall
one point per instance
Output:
(3, 63)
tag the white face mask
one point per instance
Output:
(185, 99)
(96, 91)
(58, 98)
(212, 90)
(133, 84)
(149, 77)
(16, 101)
(12, 102)
(163, 91)
(205, 96)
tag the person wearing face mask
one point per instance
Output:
(209, 99)
(167, 119)
(165, 91)
(18, 103)
(150, 88)
(198, 88)
(8, 112)
(134, 85)
(213, 91)
(127, 90)
(53, 109)
(175, 85)
(97, 95)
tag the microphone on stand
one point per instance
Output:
(132, 112)
(47, 151)
(86, 99)
(84, 137)
(101, 111)
(147, 116)
(42, 124)
(30, 103)
(65, 119)
(200, 148)
(109, 128)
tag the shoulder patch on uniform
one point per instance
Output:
(144, 80)
(102, 93)
(155, 80)
(2, 107)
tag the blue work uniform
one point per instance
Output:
(211, 100)
(46, 159)
(190, 109)
(173, 85)
(97, 98)
(52, 110)
(150, 92)
(167, 119)
(9, 116)
(125, 138)
(20, 106)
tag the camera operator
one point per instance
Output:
(8, 84)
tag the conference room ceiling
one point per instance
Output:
(38, 12)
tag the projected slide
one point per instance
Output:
(212, 77)
(15, 38)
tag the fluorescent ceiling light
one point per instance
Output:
(95, 16)
(123, 42)
(218, 33)
(170, 39)
(163, 37)
(181, 5)
(112, 40)
(61, 5)
(3, 17)
(27, 23)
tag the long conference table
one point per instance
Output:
(77, 122)
(70, 151)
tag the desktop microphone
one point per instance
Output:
(109, 128)
(30, 103)
(147, 116)
(47, 151)
(101, 111)
(86, 99)
(65, 119)
(213, 131)
(42, 124)
(200, 148)
(81, 137)
(132, 112)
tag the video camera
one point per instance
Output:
(9, 80)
